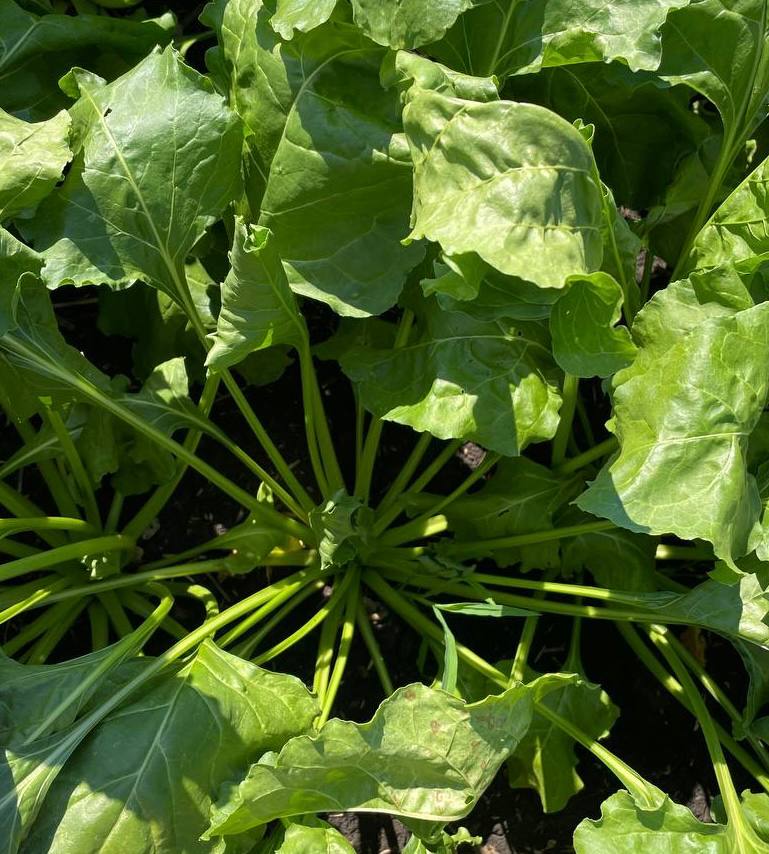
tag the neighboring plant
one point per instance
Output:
(446, 178)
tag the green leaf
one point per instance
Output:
(407, 23)
(511, 182)
(520, 497)
(16, 259)
(490, 383)
(642, 132)
(258, 308)
(37, 50)
(180, 740)
(520, 37)
(405, 70)
(250, 542)
(314, 110)
(739, 228)
(756, 661)
(324, 839)
(32, 696)
(617, 559)
(32, 157)
(586, 340)
(302, 15)
(425, 756)
(546, 761)
(738, 610)
(683, 414)
(158, 325)
(692, 56)
(36, 749)
(755, 807)
(139, 195)
(338, 527)
(465, 283)
(668, 827)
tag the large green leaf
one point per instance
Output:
(140, 194)
(642, 132)
(32, 157)
(515, 36)
(491, 383)
(683, 414)
(514, 183)
(36, 50)
(258, 308)
(739, 228)
(179, 742)
(693, 56)
(425, 756)
(33, 696)
(586, 340)
(668, 828)
(36, 748)
(327, 169)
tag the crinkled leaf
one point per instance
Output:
(37, 50)
(302, 15)
(32, 157)
(336, 524)
(407, 23)
(258, 308)
(683, 413)
(425, 756)
(511, 182)
(314, 110)
(586, 340)
(405, 69)
(208, 720)
(521, 37)
(140, 194)
(670, 825)
(490, 383)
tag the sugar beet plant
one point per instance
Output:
(446, 180)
